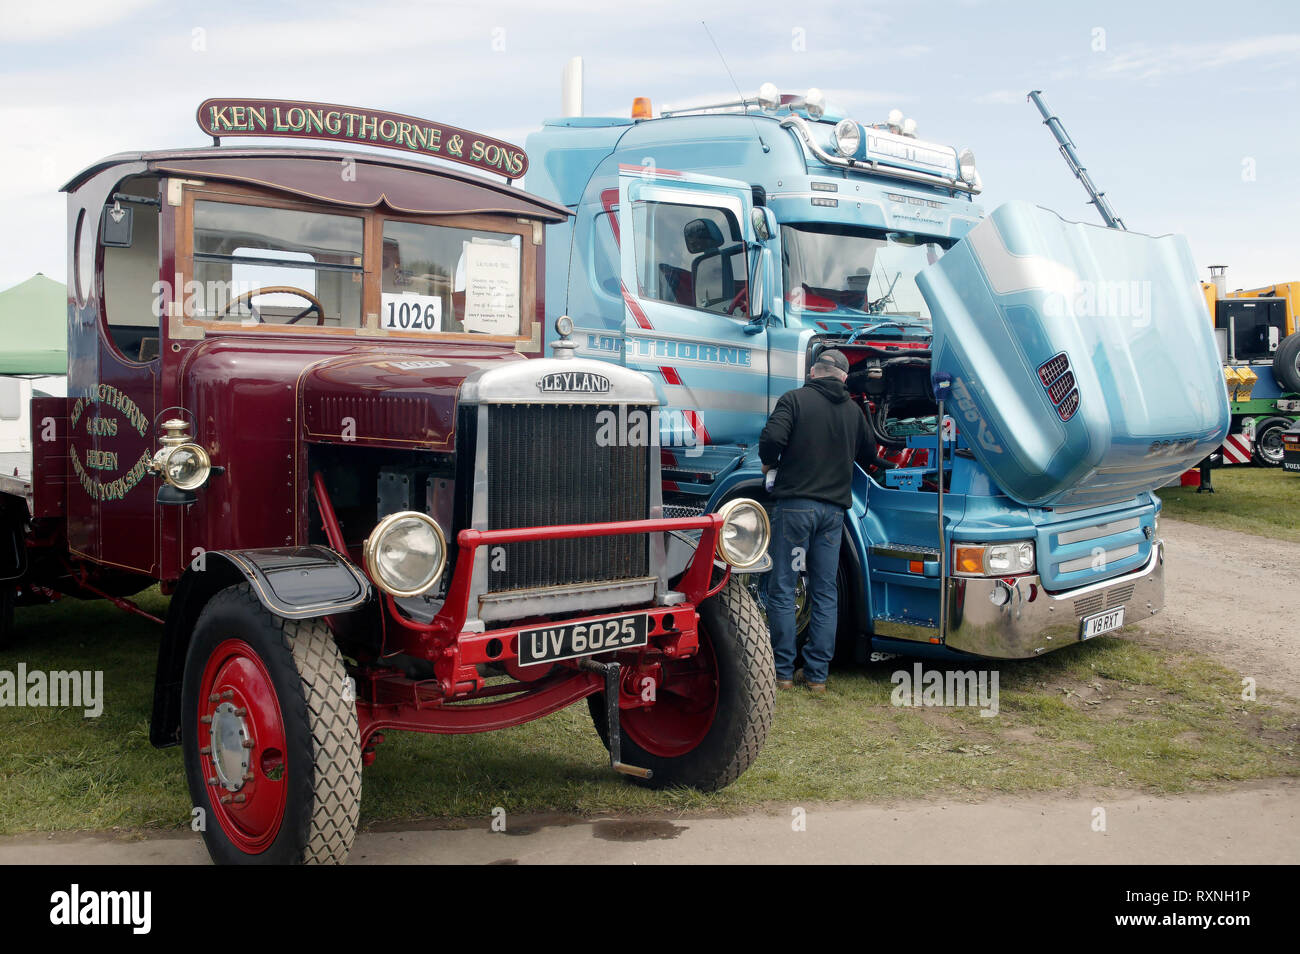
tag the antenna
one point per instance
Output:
(744, 102)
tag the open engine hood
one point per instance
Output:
(1083, 364)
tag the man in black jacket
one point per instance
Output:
(812, 439)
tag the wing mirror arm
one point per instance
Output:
(759, 312)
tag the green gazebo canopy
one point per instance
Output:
(34, 327)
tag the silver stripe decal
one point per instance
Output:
(1110, 556)
(1099, 530)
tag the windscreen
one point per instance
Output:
(853, 271)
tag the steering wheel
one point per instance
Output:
(315, 305)
(740, 301)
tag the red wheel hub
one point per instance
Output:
(242, 746)
(685, 703)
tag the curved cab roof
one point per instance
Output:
(404, 185)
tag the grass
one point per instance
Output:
(1261, 500)
(1109, 712)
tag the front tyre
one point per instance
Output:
(712, 712)
(272, 752)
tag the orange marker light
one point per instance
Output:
(641, 108)
(915, 566)
(969, 560)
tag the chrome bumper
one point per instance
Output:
(1032, 621)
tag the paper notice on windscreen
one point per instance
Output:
(491, 288)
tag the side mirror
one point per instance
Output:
(763, 222)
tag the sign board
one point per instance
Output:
(367, 127)
(491, 288)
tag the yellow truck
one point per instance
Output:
(1260, 350)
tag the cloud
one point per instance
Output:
(35, 21)
(1154, 62)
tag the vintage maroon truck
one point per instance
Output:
(307, 397)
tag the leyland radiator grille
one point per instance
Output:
(546, 467)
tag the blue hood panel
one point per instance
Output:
(1083, 364)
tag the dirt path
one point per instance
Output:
(1258, 822)
(1235, 597)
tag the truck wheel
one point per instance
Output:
(8, 597)
(1286, 363)
(712, 711)
(269, 725)
(1266, 451)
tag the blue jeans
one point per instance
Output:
(806, 537)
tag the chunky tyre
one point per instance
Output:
(1266, 449)
(269, 728)
(712, 712)
(1286, 363)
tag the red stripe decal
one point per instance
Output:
(697, 425)
(670, 375)
(647, 170)
(609, 199)
(633, 307)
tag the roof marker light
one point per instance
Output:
(641, 108)
(815, 103)
(909, 127)
(769, 97)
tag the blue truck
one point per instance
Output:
(1034, 379)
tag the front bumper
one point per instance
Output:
(1033, 621)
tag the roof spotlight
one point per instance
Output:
(815, 103)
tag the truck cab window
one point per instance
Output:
(130, 279)
(273, 266)
(691, 255)
(444, 279)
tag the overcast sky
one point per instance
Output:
(1186, 113)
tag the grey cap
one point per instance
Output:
(835, 359)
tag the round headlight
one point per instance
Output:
(406, 553)
(187, 466)
(745, 533)
(848, 137)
